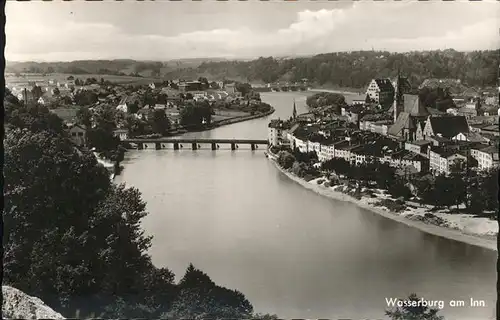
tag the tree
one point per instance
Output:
(458, 183)
(84, 116)
(196, 113)
(243, 88)
(36, 92)
(285, 159)
(160, 123)
(414, 311)
(35, 118)
(57, 91)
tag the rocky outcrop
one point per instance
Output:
(18, 305)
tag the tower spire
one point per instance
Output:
(294, 114)
(398, 96)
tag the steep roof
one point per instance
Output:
(384, 84)
(449, 126)
(414, 107)
(404, 121)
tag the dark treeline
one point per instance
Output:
(356, 69)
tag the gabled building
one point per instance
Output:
(381, 91)
(409, 112)
(446, 127)
(78, 134)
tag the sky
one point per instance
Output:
(164, 30)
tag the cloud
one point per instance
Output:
(393, 27)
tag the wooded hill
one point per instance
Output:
(340, 69)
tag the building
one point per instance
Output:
(446, 127)
(407, 159)
(277, 132)
(78, 134)
(418, 146)
(409, 112)
(471, 137)
(381, 91)
(487, 156)
(441, 159)
(230, 88)
(121, 133)
(190, 86)
(122, 106)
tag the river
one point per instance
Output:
(290, 251)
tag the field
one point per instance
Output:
(23, 79)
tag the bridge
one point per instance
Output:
(177, 144)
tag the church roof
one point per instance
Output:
(449, 126)
(404, 121)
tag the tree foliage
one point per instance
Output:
(357, 69)
(323, 99)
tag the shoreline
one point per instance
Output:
(486, 242)
(223, 122)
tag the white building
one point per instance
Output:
(486, 157)
(380, 89)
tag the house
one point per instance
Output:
(468, 112)
(78, 134)
(152, 85)
(491, 129)
(121, 133)
(327, 152)
(418, 146)
(441, 159)
(487, 156)
(470, 136)
(230, 88)
(43, 100)
(190, 86)
(144, 113)
(122, 106)
(381, 91)
(277, 132)
(354, 113)
(406, 158)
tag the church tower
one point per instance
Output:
(398, 103)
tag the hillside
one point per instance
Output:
(119, 67)
(356, 69)
(340, 69)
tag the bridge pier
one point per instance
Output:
(233, 146)
(214, 146)
(157, 146)
(176, 145)
(252, 146)
(194, 146)
(140, 146)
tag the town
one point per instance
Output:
(101, 113)
(405, 132)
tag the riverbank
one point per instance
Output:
(475, 231)
(220, 123)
